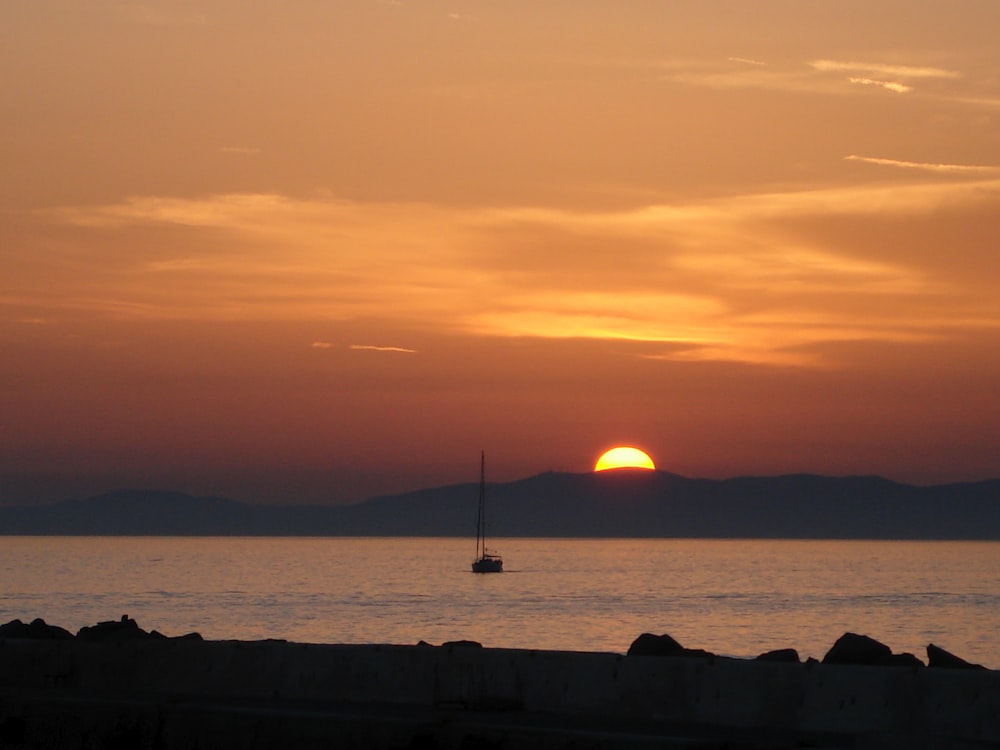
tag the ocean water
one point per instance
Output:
(732, 597)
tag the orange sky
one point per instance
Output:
(315, 251)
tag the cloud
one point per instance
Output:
(898, 71)
(216, 210)
(983, 169)
(744, 74)
(899, 88)
(743, 278)
(875, 74)
(374, 348)
(321, 345)
(813, 77)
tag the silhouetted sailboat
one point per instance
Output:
(486, 561)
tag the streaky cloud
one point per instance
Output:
(899, 88)
(374, 348)
(986, 169)
(711, 279)
(899, 71)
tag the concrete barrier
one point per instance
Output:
(181, 694)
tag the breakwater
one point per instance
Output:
(186, 693)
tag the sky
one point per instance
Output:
(315, 252)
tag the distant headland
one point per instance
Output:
(620, 503)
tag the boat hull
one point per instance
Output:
(488, 565)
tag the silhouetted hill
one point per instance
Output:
(621, 503)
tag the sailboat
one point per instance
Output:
(486, 560)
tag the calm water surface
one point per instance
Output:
(737, 598)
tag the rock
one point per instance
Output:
(852, 648)
(648, 644)
(113, 630)
(38, 629)
(698, 653)
(463, 644)
(905, 659)
(938, 658)
(780, 654)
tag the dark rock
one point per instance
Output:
(113, 630)
(938, 658)
(852, 648)
(905, 659)
(697, 653)
(780, 654)
(648, 644)
(38, 629)
(463, 644)
(188, 637)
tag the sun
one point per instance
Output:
(624, 457)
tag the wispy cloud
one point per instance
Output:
(321, 345)
(888, 76)
(883, 69)
(374, 348)
(899, 88)
(743, 278)
(832, 77)
(974, 169)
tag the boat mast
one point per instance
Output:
(481, 519)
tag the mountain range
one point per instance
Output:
(618, 503)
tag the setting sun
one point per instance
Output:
(624, 457)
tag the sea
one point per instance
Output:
(731, 597)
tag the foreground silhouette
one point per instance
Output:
(114, 685)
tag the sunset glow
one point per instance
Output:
(329, 247)
(624, 457)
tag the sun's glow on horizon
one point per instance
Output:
(624, 457)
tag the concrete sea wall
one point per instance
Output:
(178, 694)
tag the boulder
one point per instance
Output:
(905, 659)
(780, 654)
(124, 629)
(938, 658)
(648, 644)
(37, 629)
(462, 644)
(852, 648)
(192, 636)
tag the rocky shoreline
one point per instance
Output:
(116, 685)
